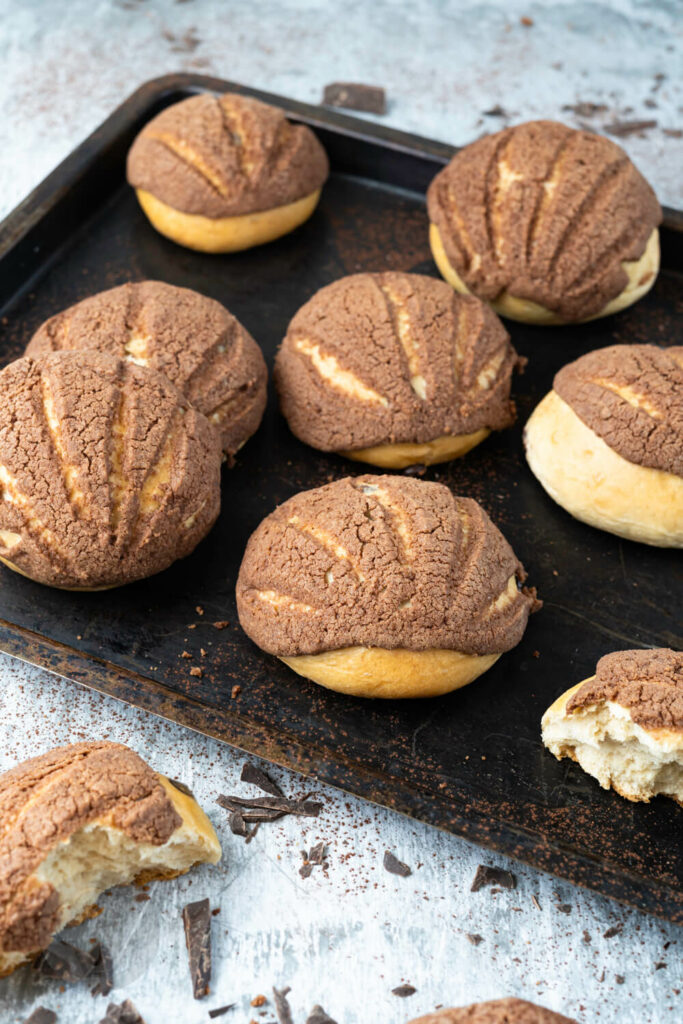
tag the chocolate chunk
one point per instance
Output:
(104, 967)
(619, 978)
(220, 1010)
(585, 109)
(284, 1014)
(41, 1016)
(403, 991)
(122, 1013)
(487, 875)
(417, 470)
(237, 826)
(474, 938)
(371, 99)
(181, 786)
(256, 777)
(306, 870)
(317, 854)
(564, 908)
(197, 923)
(63, 962)
(496, 111)
(623, 128)
(395, 866)
(318, 1016)
(306, 808)
(616, 929)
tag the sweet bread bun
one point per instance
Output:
(395, 369)
(499, 1011)
(383, 586)
(624, 725)
(107, 474)
(548, 224)
(79, 820)
(223, 173)
(192, 339)
(607, 442)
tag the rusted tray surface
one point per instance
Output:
(471, 762)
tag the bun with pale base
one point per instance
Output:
(395, 369)
(224, 173)
(624, 725)
(192, 339)
(77, 821)
(498, 1011)
(607, 442)
(383, 586)
(107, 473)
(548, 224)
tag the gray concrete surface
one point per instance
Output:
(347, 938)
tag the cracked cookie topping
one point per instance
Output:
(190, 338)
(107, 474)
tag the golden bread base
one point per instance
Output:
(391, 674)
(595, 484)
(642, 274)
(406, 453)
(613, 749)
(226, 234)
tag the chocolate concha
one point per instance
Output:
(376, 361)
(78, 820)
(224, 156)
(192, 339)
(107, 473)
(498, 1011)
(383, 565)
(546, 222)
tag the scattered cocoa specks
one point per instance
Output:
(564, 908)
(474, 938)
(258, 1001)
(196, 671)
(619, 978)
(186, 654)
(235, 692)
(142, 897)
(586, 935)
(282, 1010)
(403, 991)
(624, 128)
(488, 875)
(526, 21)
(395, 866)
(616, 929)
(220, 1010)
(220, 625)
(369, 99)
(535, 902)
(41, 1015)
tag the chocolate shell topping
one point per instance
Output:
(546, 213)
(192, 339)
(381, 358)
(632, 397)
(49, 798)
(107, 474)
(381, 561)
(224, 156)
(649, 683)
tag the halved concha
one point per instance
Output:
(107, 473)
(383, 586)
(394, 369)
(192, 339)
(498, 1011)
(77, 821)
(547, 223)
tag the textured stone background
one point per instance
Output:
(347, 938)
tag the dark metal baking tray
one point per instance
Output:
(471, 762)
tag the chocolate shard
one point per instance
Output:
(487, 875)
(306, 808)
(318, 1016)
(104, 969)
(306, 870)
(41, 1016)
(182, 787)
(370, 99)
(236, 823)
(122, 1013)
(395, 866)
(282, 1010)
(197, 923)
(317, 854)
(220, 1010)
(63, 962)
(623, 128)
(474, 938)
(403, 991)
(256, 777)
